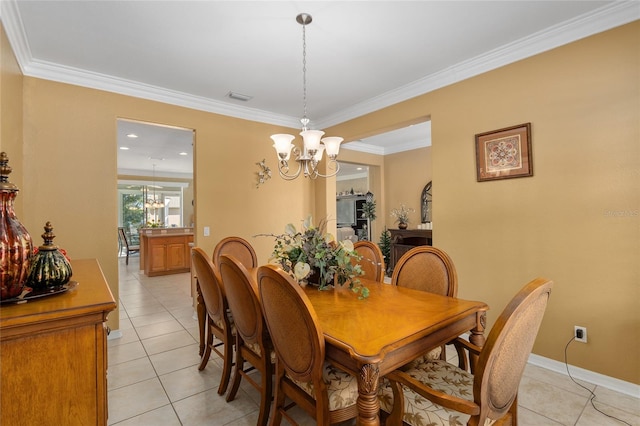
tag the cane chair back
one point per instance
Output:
(428, 393)
(238, 248)
(218, 324)
(302, 375)
(426, 268)
(253, 344)
(372, 262)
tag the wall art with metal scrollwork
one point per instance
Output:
(425, 203)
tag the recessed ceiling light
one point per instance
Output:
(132, 135)
(358, 168)
(183, 153)
(124, 148)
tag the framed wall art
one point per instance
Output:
(504, 153)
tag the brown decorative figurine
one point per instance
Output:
(15, 242)
(50, 268)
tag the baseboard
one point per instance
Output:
(114, 334)
(598, 379)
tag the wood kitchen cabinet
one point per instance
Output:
(166, 253)
(54, 354)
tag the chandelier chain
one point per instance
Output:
(304, 74)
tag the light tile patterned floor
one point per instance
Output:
(153, 376)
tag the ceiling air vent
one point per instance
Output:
(239, 96)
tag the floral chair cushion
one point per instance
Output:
(432, 355)
(255, 348)
(342, 387)
(441, 376)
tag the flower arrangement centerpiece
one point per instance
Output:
(313, 254)
(402, 215)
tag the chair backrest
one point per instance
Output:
(292, 323)
(126, 239)
(426, 268)
(372, 262)
(243, 300)
(121, 237)
(238, 248)
(506, 351)
(210, 285)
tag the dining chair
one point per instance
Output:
(126, 244)
(237, 247)
(253, 344)
(435, 392)
(243, 251)
(302, 374)
(428, 268)
(372, 262)
(211, 294)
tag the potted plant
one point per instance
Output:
(402, 216)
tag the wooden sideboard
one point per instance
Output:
(54, 354)
(403, 240)
(165, 251)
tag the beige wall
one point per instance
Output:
(407, 173)
(583, 102)
(11, 113)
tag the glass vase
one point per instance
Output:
(16, 248)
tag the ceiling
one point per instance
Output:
(361, 55)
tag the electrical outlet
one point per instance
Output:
(580, 333)
(207, 231)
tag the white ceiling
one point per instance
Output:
(361, 55)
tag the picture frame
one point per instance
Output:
(504, 153)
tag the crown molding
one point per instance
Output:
(602, 19)
(607, 17)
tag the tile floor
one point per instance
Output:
(153, 376)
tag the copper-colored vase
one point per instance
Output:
(402, 225)
(16, 248)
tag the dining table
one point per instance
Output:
(370, 337)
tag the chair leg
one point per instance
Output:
(202, 318)
(266, 393)
(207, 351)
(237, 374)
(127, 261)
(226, 366)
(278, 401)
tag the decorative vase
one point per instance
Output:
(402, 225)
(15, 242)
(50, 268)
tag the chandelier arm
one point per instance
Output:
(283, 169)
(330, 162)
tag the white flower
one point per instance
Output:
(301, 270)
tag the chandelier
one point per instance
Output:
(153, 202)
(313, 144)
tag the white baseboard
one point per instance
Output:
(597, 379)
(114, 334)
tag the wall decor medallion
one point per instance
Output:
(504, 153)
(264, 174)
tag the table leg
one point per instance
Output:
(201, 318)
(477, 336)
(368, 404)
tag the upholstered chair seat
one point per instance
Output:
(342, 388)
(439, 375)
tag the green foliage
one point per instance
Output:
(385, 245)
(300, 253)
(369, 210)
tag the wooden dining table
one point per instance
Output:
(373, 336)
